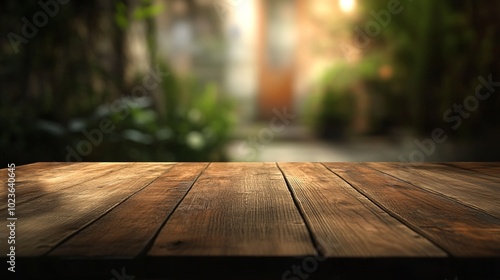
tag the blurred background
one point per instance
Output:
(249, 80)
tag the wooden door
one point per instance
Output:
(277, 56)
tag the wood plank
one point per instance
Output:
(473, 191)
(345, 223)
(29, 183)
(459, 229)
(128, 229)
(42, 165)
(488, 168)
(25, 173)
(51, 218)
(471, 175)
(37, 166)
(236, 209)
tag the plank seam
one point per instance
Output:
(469, 169)
(149, 245)
(65, 188)
(319, 249)
(416, 229)
(445, 196)
(104, 213)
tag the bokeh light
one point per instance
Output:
(347, 6)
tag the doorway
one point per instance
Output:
(277, 56)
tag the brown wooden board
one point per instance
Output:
(236, 209)
(487, 168)
(27, 173)
(127, 230)
(473, 191)
(345, 223)
(255, 221)
(467, 174)
(459, 229)
(49, 219)
(30, 181)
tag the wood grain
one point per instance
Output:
(143, 211)
(462, 187)
(127, 230)
(27, 173)
(460, 230)
(467, 174)
(487, 168)
(31, 179)
(49, 219)
(345, 223)
(242, 209)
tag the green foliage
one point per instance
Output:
(146, 10)
(192, 123)
(336, 113)
(331, 107)
(199, 115)
(436, 50)
(121, 15)
(330, 110)
(62, 82)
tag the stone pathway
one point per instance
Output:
(297, 144)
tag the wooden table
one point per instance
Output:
(256, 221)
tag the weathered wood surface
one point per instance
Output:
(457, 228)
(160, 214)
(236, 210)
(131, 226)
(60, 211)
(344, 222)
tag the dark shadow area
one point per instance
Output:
(259, 268)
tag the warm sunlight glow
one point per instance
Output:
(346, 5)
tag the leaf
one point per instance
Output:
(50, 127)
(121, 17)
(137, 136)
(148, 11)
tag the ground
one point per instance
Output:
(297, 144)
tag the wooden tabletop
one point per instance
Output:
(256, 220)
